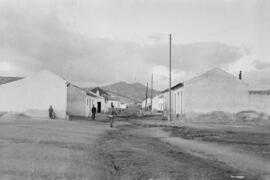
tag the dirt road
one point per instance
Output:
(136, 152)
(44, 149)
(81, 149)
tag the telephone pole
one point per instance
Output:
(170, 79)
(152, 92)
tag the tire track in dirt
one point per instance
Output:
(131, 153)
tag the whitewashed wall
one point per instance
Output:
(34, 95)
(177, 101)
(115, 103)
(102, 101)
(215, 92)
(148, 103)
(259, 102)
(158, 103)
(78, 103)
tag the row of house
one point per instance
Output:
(158, 103)
(215, 90)
(33, 96)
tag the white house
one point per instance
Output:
(33, 96)
(100, 102)
(146, 103)
(79, 102)
(158, 103)
(215, 90)
(116, 103)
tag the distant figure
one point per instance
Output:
(51, 113)
(113, 113)
(94, 110)
(240, 75)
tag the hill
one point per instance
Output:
(4, 79)
(135, 92)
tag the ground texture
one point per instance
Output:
(136, 148)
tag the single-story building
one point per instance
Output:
(158, 103)
(259, 100)
(80, 102)
(33, 96)
(146, 104)
(215, 90)
(100, 102)
(108, 98)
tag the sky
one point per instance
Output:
(99, 42)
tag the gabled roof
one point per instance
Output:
(104, 94)
(90, 93)
(214, 73)
(166, 90)
(4, 79)
(101, 91)
(174, 87)
(177, 86)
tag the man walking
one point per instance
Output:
(94, 110)
(113, 113)
(51, 112)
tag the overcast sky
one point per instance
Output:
(97, 42)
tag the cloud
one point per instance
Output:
(194, 57)
(259, 65)
(258, 79)
(36, 40)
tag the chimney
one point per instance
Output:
(240, 75)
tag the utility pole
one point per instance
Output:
(170, 79)
(146, 96)
(152, 92)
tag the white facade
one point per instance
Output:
(259, 101)
(123, 106)
(158, 103)
(116, 103)
(99, 102)
(146, 103)
(178, 100)
(78, 102)
(215, 90)
(34, 95)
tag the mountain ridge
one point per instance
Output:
(134, 91)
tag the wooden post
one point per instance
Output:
(170, 79)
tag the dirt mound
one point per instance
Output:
(252, 118)
(13, 116)
(220, 117)
(212, 117)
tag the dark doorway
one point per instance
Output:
(99, 107)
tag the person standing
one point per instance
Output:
(94, 110)
(113, 113)
(51, 112)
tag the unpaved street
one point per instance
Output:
(46, 149)
(138, 152)
(133, 149)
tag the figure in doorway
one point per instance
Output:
(94, 110)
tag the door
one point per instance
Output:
(99, 107)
